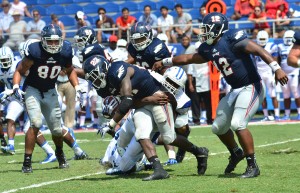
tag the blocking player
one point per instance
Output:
(294, 55)
(230, 52)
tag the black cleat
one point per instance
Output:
(233, 161)
(3, 142)
(180, 155)
(251, 172)
(158, 174)
(82, 156)
(27, 169)
(62, 161)
(202, 157)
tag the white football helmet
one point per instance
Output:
(288, 37)
(6, 57)
(262, 38)
(23, 47)
(174, 79)
(163, 37)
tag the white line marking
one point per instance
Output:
(51, 182)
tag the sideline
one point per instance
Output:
(52, 182)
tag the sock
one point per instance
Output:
(92, 117)
(194, 150)
(58, 149)
(288, 112)
(27, 159)
(96, 121)
(276, 111)
(203, 114)
(171, 154)
(266, 113)
(11, 141)
(77, 150)
(251, 160)
(47, 148)
(298, 110)
(82, 120)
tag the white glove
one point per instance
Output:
(80, 96)
(18, 93)
(5, 94)
(104, 129)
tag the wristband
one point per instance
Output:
(16, 86)
(112, 123)
(274, 66)
(167, 62)
(298, 62)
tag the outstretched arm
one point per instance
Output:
(21, 70)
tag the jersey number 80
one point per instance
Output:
(43, 72)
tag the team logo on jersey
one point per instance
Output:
(51, 61)
(88, 49)
(158, 48)
(120, 71)
(138, 57)
(215, 52)
(157, 58)
(239, 34)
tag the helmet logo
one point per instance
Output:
(95, 61)
(215, 18)
(88, 32)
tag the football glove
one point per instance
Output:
(81, 96)
(18, 93)
(104, 129)
(4, 95)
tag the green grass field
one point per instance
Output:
(277, 152)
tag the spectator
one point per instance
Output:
(271, 8)
(203, 13)
(294, 13)
(282, 13)
(5, 20)
(15, 28)
(124, 23)
(103, 22)
(20, 6)
(258, 18)
(117, 54)
(81, 20)
(59, 23)
(148, 17)
(183, 19)
(243, 8)
(35, 25)
(165, 22)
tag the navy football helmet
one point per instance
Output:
(51, 38)
(85, 36)
(141, 35)
(95, 68)
(214, 25)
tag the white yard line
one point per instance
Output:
(52, 182)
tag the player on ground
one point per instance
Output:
(44, 60)
(230, 52)
(266, 73)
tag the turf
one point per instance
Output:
(277, 152)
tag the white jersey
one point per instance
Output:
(262, 67)
(6, 76)
(284, 51)
(118, 54)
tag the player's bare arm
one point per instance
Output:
(72, 75)
(130, 59)
(21, 70)
(158, 98)
(80, 72)
(255, 49)
(179, 60)
(294, 56)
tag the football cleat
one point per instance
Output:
(10, 149)
(202, 157)
(114, 171)
(26, 169)
(62, 161)
(203, 120)
(82, 156)
(50, 158)
(233, 161)
(3, 143)
(251, 172)
(277, 118)
(171, 161)
(159, 174)
(286, 118)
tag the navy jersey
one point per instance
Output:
(142, 83)
(46, 67)
(236, 66)
(93, 49)
(156, 51)
(296, 39)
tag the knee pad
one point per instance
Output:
(217, 130)
(36, 122)
(184, 131)
(167, 139)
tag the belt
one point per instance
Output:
(61, 82)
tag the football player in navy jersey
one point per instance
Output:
(144, 50)
(44, 60)
(294, 55)
(133, 83)
(230, 52)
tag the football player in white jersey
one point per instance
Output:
(292, 72)
(172, 49)
(266, 73)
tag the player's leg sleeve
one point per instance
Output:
(52, 112)
(221, 123)
(246, 106)
(33, 106)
